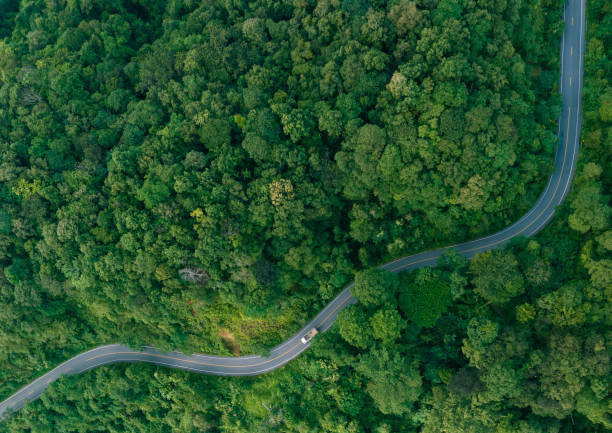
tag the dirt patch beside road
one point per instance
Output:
(230, 341)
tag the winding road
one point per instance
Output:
(572, 49)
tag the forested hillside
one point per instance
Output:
(453, 349)
(171, 169)
(175, 172)
(436, 351)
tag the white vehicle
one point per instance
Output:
(306, 338)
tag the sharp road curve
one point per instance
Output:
(572, 52)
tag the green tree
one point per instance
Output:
(424, 297)
(387, 324)
(394, 382)
(486, 269)
(590, 212)
(153, 192)
(352, 325)
(595, 409)
(374, 287)
(564, 307)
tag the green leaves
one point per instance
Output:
(605, 108)
(19, 271)
(590, 213)
(597, 410)
(565, 307)
(153, 192)
(5, 222)
(387, 324)
(353, 327)
(394, 380)
(486, 269)
(297, 124)
(374, 287)
(424, 297)
(314, 138)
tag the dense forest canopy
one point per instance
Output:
(167, 167)
(176, 172)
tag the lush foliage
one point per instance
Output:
(536, 362)
(168, 168)
(171, 170)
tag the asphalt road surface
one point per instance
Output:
(572, 49)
